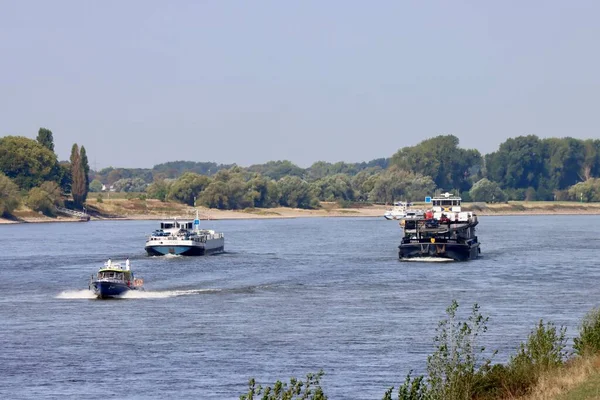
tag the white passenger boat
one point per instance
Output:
(184, 238)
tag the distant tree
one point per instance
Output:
(27, 162)
(564, 161)
(488, 191)
(263, 191)
(114, 175)
(277, 169)
(587, 191)
(9, 195)
(130, 185)
(46, 139)
(334, 187)
(38, 200)
(64, 176)
(159, 190)
(591, 159)
(518, 163)
(45, 198)
(215, 195)
(53, 192)
(364, 181)
(95, 186)
(78, 187)
(296, 193)
(395, 184)
(174, 169)
(188, 187)
(449, 166)
(86, 171)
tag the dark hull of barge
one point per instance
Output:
(468, 250)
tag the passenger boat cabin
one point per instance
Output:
(188, 225)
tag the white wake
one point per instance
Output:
(134, 294)
(76, 294)
(164, 294)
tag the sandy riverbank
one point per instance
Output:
(122, 209)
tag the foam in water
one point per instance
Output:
(142, 294)
(135, 294)
(76, 294)
(428, 259)
(169, 255)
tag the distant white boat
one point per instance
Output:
(398, 211)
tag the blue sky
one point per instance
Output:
(144, 82)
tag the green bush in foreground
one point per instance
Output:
(543, 351)
(310, 389)
(588, 341)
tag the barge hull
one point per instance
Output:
(106, 290)
(453, 251)
(183, 250)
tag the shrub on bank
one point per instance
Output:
(588, 341)
(543, 351)
(309, 389)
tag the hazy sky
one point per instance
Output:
(144, 82)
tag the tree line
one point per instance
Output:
(30, 173)
(523, 168)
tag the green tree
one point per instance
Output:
(334, 187)
(95, 186)
(395, 184)
(78, 186)
(263, 191)
(46, 139)
(9, 195)
(38, 200)
(587, 191)
(188, 187)
(27, 162)
(518, 163)
(86, 171)
(277, 169)
(130, 185)
(488, 191)
(564, 162)
(64, 176)
(215, 195)
(449, 166)
(364, 181)
(159, 190)
(591, 159)
(296, 193)
(53, 192)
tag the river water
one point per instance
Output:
(289, 296)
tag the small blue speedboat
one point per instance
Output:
(113, 280)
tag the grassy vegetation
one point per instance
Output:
(460, 368)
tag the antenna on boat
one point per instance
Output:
(197, 222)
